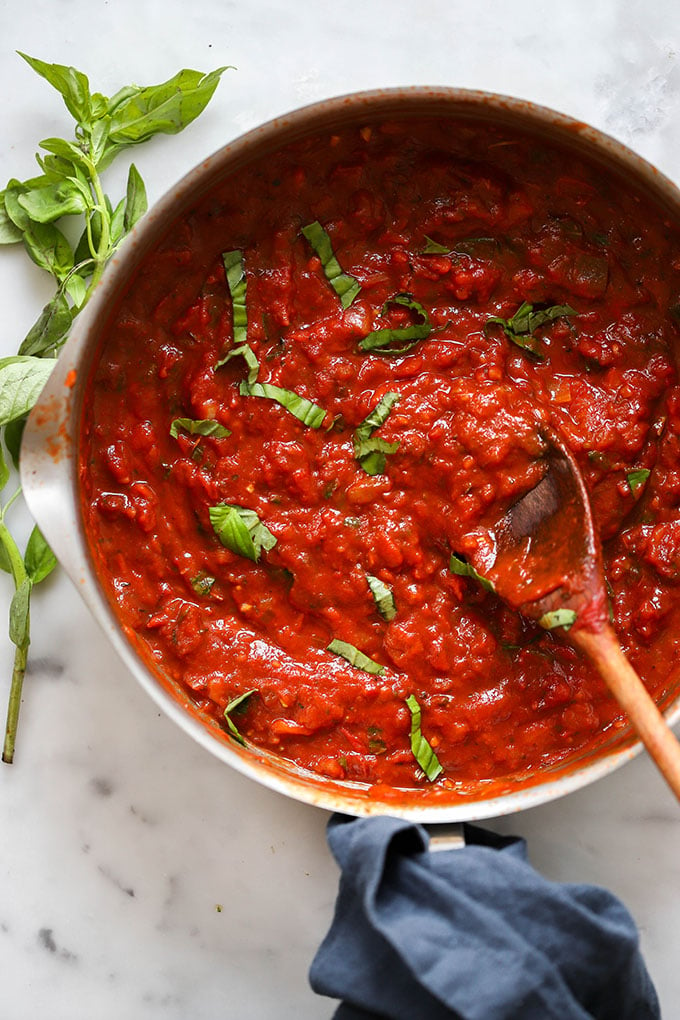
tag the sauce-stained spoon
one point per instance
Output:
(544, 559)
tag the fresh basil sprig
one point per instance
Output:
(304, 410)
(234, 705)
(236, 281)
(420, 746)
(241, 530)
(369, 450)
(344, 285)
(199, 427)
(464, 569)
(519, 329)
(403, 338)
(383, 597)
(69, 185)
(355, 657)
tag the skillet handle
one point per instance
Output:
(446, 837)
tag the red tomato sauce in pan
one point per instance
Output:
(514, 220)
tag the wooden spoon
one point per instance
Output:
(544, 559)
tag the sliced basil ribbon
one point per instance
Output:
(344, 285)
(355, 657)
(401, 339)
(304, 410)
(236, 281)
(420, 746)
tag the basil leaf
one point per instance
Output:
(21, 383)
(39, 559)
(231, 707)
(51, 329)
(14, 431)
(135, 199)
(72, 84)
(247, 352)
(308, 413)
(20, 613)
(9, 232)
(422, 751)
(402, 339)
(558, 618)
(166, 108)
(384, 599)
(463, 569)
(49, 249)
(202, 583)
(199, 427)
(520, 327)
(4, 474)
(241, 530)
(236, 281)
(636, 479)
(371, 451)
(355, 657)
(62, 198)
(64, 149)
(344, 285)
(76, 288)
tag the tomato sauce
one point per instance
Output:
(515, 219)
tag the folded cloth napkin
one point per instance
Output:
(472, 933)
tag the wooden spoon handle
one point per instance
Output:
(605, 652)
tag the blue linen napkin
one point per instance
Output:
(474, 934)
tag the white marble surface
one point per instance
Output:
(119, 836)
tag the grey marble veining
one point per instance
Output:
(138, 876)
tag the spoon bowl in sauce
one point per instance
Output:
(543, 557)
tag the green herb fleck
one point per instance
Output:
(384, 599)
(422, 751)
(558, 618)
(202, 583)
(637, 479)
